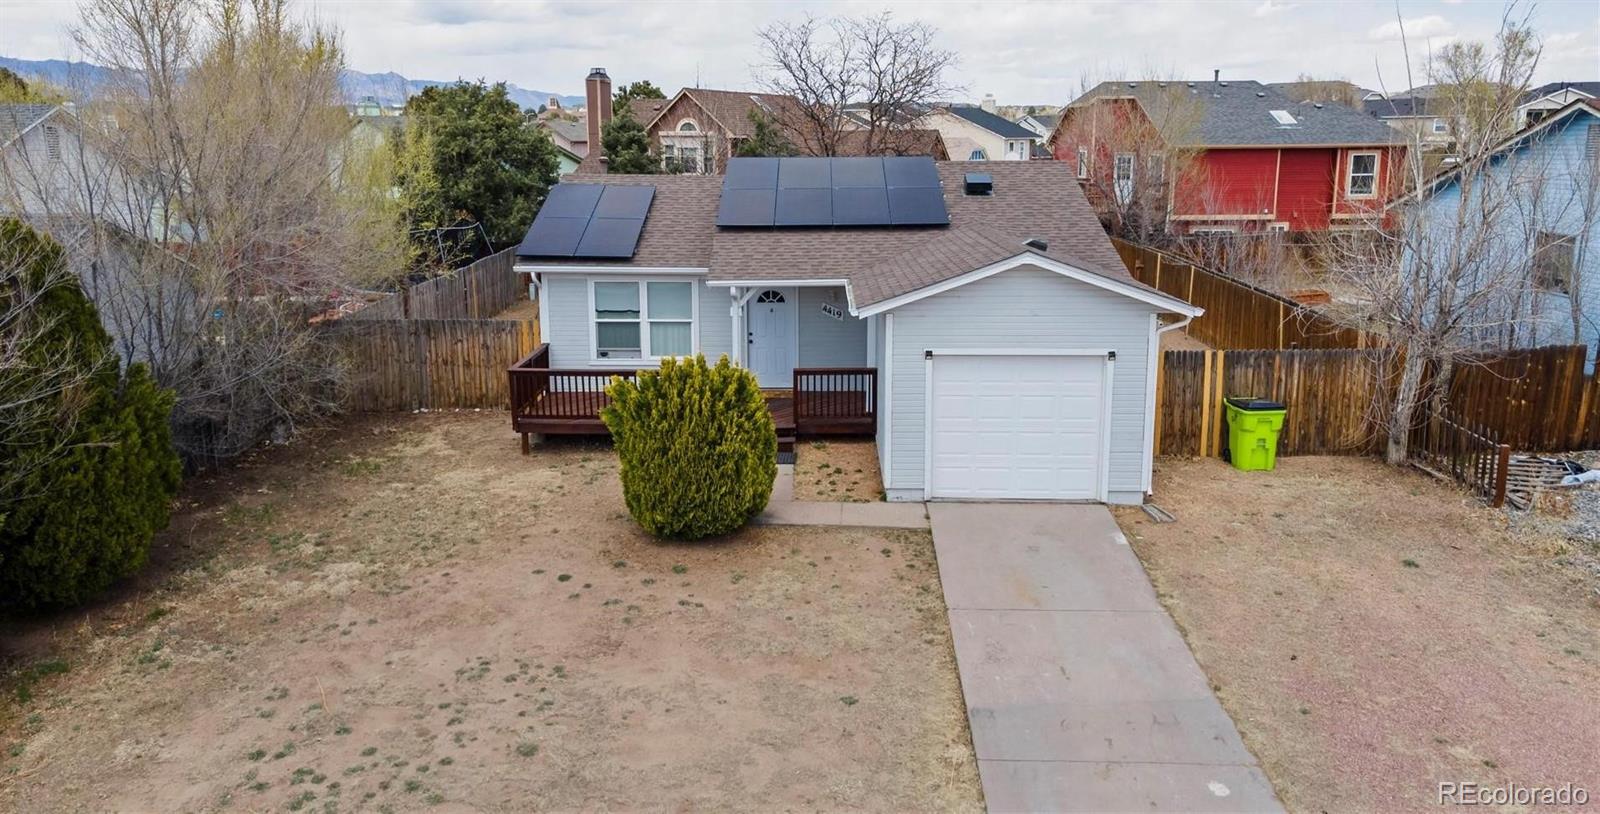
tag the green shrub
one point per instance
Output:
(697, 444)
(79, 514)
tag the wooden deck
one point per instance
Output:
(823, 401)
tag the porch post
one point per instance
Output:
(736, 314)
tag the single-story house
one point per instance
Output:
(974, 312)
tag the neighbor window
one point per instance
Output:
(1156, 167)
(52, 142)
(1552, 262)
(1122, 177)
(1439, 126)
(643, 319)
(1363, 178)
(1083, 162)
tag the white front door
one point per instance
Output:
(1024, 427)
(774, 347)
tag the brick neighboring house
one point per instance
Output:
(697, 130)
(1261, 161)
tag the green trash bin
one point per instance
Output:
(1253, 427)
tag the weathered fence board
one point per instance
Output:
(478, 291)
(431, 364)
(1238, 315)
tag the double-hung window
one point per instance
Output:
(1083, 162)
(1363, 178)
(643, 319)
(1122, 177)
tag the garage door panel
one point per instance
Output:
(1016, 427)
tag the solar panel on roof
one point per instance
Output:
(857, 172)
(589, 220)
(910, 171)
(620, 201)
(552, 236)
(804, 207)
(747, 207)
(610, 237)
(571, 200)
(804, 173)
(862, 206)
(806, 191)
(917, 206)
(751, 173)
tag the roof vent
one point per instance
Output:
(1037, 243)
(1190, 84)
(979, 183)
(1261, 94)
(1317, 105)
(1133, 84)
(1222, 84)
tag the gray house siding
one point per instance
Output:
(568, 313)
(825, 341)
(1025, 308)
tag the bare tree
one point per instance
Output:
(209, 215)
(1133, 145)
(848, 74)
(1307, 88)
(1457, 274)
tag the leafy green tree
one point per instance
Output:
(485, 161)
(83, 512)
(627, 146)
(16, 90)
(642, 89)
(768, 139)
(698, 447)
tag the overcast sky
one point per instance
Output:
(1024, 53)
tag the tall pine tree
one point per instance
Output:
(627, 146)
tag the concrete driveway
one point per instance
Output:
(1081, 693)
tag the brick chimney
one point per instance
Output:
(597, 95)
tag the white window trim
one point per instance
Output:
(1278, 226)
(1117, 190)
(1083, 162)
(1439, 127)
(1349, 175)
(645, 357)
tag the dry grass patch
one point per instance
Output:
(1374, 632)
(413, 614)
(837, 470)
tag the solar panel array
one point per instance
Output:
(597, 221)
(791, 192)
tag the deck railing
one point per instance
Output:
(836, 400)
(541, 393)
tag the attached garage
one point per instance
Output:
(1018, 425)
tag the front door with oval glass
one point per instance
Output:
(773, 338)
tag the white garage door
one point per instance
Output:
(1017, 427)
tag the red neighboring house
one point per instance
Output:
(1261, 161)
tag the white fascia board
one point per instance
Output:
(627, 270)
(1153, 298)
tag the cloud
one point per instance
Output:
(1271, 7)
(1432, 25)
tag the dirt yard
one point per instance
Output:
(837, 470)
(1374, 632)
(412, 614)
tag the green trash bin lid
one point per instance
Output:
(1254, 404)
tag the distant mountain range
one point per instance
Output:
(388, 88)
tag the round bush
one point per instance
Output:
(78, 515)
(698, 447)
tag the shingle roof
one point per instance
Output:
(731, 108)
(572, 130)
(991, 122)
(1397, 108)
(16, 118)
(1233, 114)
(1590, 88)
(1046, 120)
(1031, 199)
(682, 220)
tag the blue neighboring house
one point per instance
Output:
(1547, 179)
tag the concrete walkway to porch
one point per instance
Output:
(784, 510)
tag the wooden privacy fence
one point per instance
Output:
(1534, 400)
(431, 364)
(1238, 315)
(478, 291)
